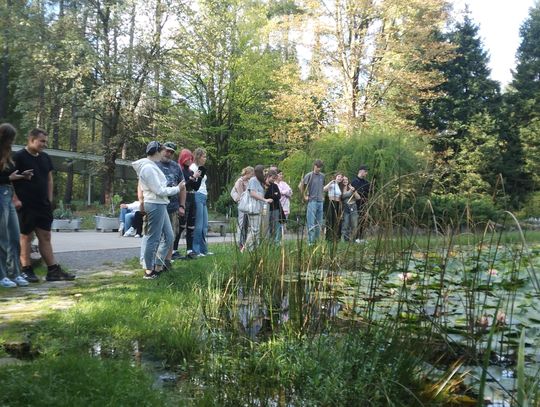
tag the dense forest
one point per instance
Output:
(401, 86)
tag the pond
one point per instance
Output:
(476, 299)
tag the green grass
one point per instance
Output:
(76, 380)
(189, 320)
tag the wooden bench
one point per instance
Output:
(222, 224)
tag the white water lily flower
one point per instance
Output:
(407, 276)
(501, 318)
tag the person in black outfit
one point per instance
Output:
(35, 213)
(274, 210)
(187, 221)
(363, 187)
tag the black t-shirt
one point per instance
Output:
(272, 191)
(35, 192)
(5, 173)
(362, 186)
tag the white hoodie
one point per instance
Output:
(153, 182)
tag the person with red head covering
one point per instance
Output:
(187, 222)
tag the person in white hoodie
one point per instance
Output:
(159, 234)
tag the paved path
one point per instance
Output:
(88, 249)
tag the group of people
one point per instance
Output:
(172, 200)
(172, 196)
(270, 209)
(267, 214)
(26, 192)
(347, 204)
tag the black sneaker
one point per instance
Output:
(177, 256)
(57, 274)
(28, 274)
(150, 276)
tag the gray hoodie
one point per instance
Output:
(153, 182)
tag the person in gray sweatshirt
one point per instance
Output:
(159, 234)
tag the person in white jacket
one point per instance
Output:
(159, 234)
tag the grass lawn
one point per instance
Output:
(229, 329)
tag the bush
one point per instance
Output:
(225, 204)
(531, 208)
(62, 212)
(457, 210)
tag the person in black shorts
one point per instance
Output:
(35, 210)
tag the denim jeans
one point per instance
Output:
(159, 236)
(314, 220)
(201, 224)
(9, 238)
(274, 227)
(350, 221)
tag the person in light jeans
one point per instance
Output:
(200, 246)
(158, 238)
(350, 213)
(9, 223)
(311, 187)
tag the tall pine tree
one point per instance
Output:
(465, 147)
(523, 109)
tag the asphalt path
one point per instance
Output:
(88, 249)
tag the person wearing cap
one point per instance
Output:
(362, 186)
(158, 238)
(177, 203)
(312, 184)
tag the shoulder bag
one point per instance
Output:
(248, 204)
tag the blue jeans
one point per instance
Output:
(9, 238)
(314, 220)
(126, 217)
(159, 236)
(201, 224)
(274, 227)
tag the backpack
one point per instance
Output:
(234, 194)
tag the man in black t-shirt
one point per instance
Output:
(33, 199)
(363, 187)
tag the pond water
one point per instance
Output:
(466, 294)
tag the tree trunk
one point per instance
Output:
(4, 78)
(73, 141)
(55, 121)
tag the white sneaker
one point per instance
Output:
(7, 283)
(137, 235)
(130, 232)
(21, 281)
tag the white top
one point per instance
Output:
(153, 182)
(334, 191)
(202, 189)
(134, 206)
